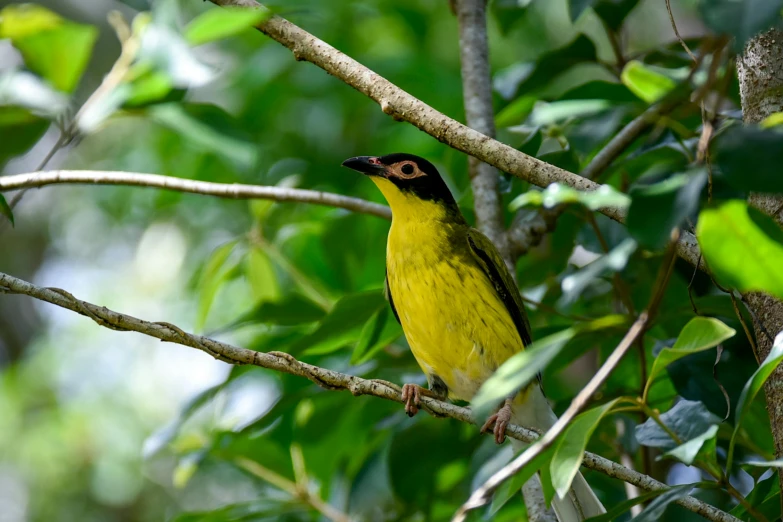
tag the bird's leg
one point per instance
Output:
(412, 394)
(500, 420)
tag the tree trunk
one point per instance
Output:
(760, 71)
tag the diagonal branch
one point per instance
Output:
(324, 377)
(402, 106)
(223, 190)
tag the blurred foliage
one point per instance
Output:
(96, 429)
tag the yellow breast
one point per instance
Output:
(455, 323)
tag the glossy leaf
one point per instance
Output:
(574, 284)
(343, 325)
(558, 194)
(701, 447)
(523, 367)
(614, 512)
(212, 277)
(570, 450)
(687, 419)
(743, 247)
(753, 387)
(657, 209)
(765, 498)
(20, 20)
(380, 330)
(59, 54)
(646, 83)
(260, 273)
(701, 333)
(654, 510)
(222, 22)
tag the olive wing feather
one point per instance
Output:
(490, 261)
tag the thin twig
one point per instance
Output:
(293, 489)
(223, 190)
(330, 379)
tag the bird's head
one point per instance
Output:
(409, 183)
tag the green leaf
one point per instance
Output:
(59, 54)
(743, 247)
(687, 419)
(701, 333)
(557, 194)
(558, 111)
(201, 131)
(5, 209)
(701, 447)
(571, 449)
(18, 21)
(523, 367)
(613, 12)
(742, 20)
(574, 284)
(294, 309)
(260, 273)
(765, 498)
(380, 330)
(617, 510)
(646, 83)
(529, 77)
(657, 209)
(223, 22)
(752, 388)
(20, 129)
(212, 277)
(515, 112)
(343, 325)
(508, 490)
(167, 52)
(654, 510)
(27, 90)
(747, 156)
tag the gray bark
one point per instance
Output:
(760, 72)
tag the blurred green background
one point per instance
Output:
(98, 425)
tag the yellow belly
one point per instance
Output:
(455, 323)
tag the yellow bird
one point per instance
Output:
(458, 305)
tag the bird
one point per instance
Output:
(459, 307)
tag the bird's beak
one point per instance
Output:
(366, 165)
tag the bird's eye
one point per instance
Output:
(407, 169)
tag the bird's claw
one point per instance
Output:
(500, 421)
(411, 396)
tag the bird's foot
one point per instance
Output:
(500, 421)
(411, 396)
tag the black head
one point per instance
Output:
(411, 174)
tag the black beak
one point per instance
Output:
(366, 165)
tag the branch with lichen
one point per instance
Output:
(329, 379)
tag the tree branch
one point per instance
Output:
(402, 106)
(479, 115)
(223, 190)
(326, 378)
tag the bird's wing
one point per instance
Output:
(387, 293)
(490, 261)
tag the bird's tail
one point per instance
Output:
(580, 503)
